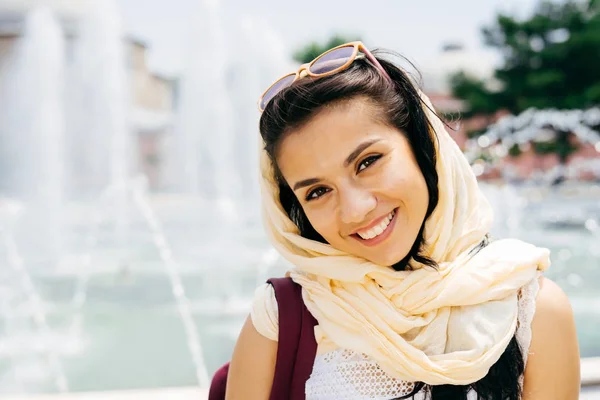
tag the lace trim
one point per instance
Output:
(527, 297)
(348, 375)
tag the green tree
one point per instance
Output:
(478, 97)
(551, 60)
(314, 49)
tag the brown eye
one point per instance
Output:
(367, 162)
(316, 193)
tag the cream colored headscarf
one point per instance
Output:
(445, 326)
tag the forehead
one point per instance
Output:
(330, 136)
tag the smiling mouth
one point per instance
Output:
(378, 233)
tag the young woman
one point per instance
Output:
(366, 194)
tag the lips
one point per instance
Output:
(377, 231)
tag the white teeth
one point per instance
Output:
(377, 230)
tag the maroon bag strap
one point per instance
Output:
(218, 384)
(297, 346)
(296, 349)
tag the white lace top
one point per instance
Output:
(344, 374)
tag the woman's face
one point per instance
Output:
(357, 181)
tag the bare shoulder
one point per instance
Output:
(252, 366)
(552, 299)
(553, 364)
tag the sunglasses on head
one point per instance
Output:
(328, 63)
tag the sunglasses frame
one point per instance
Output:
(304, 69)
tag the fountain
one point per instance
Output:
(101, 140)
(212, 148)
(32, 130)
(108, 215)
(203, 141)
(99, 108)
(32, 137)
(100, 137)
(258, 62)
(36, 311)
(183, 303)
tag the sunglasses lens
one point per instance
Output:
(332, 60)
(276, 88)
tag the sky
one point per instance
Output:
(416, 29)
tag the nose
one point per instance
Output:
(356, 204)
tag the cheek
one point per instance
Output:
(403, 179)
(406, 183)
(324, 222)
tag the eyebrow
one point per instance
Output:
(351, 157)
(306, 182)
(359, 149)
